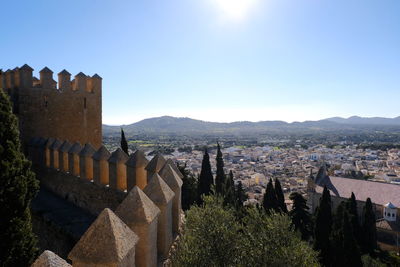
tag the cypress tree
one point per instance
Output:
(369, 228)
(350, 247)
(124, 143)
(323, 227)
(220, 176)
(206, 179)
(353, 216)
(189, 187)
(270, 202)
(280, 196)
(18, 186)
(241, 196)
(337, 252)
(301, 218)
(230, 194)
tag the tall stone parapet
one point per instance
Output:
(25, 77)
(80, 82)
(159, 192)
(117, 169)
(47, 154)
(108, 242)
(155, 165)
(101, 167)
(135, 170)
(141, 215)
(64, 80)
(54, 154)
(63, 156)
(73, 159)
(174, 167)
(50, 259)
(173, 180)
(46, 79)
(86, 162)
(2, 80)
(93, 84)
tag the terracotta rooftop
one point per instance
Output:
(380, 193)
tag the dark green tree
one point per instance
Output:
(337, 252)
(230, 192)
(189, 187)
(369, 228)
(18, 186)
(241, 195)
(301, 218)
(280, 196)
(206, 179)
(350, 246)
(220, 175)
(353, 216)
(270, 202)
(323, 227)
(124, 143)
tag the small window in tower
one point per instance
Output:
(84, 103)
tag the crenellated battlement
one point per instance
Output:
(22, 77)
(141, 198)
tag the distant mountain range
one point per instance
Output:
(174, 125)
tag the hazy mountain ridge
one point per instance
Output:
(175, 125)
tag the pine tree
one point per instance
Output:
(189, 187)
(301, 218)
(280, 196)
(353, 216)
(124, 144)
(220, 176)
(323, 227)
(270, 202)
(369, 228)
(230, 192)
(350, 247)
(18, 186)
(241, 196)
(206, 179)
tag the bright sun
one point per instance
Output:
(235, 9)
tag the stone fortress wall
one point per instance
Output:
(136, 201)
(69, 110)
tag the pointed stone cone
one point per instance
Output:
(73, 159)
(54, 154)
(50, 259)
(107, 242)
(159, 192)
(174, 167)
(117, 169)
(86, 162)
(141, 215)
(172, 179)
(47, 146)
(63, 156)
(155, 165)
(100, 166)
(135, 170)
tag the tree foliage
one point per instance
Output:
(270, 202)
(124, 143)
(18, 186)
(280, 197)
(301, 218)
(220, 175)
(206, 179)
(189, 187)
(369, 228)
(323, 227)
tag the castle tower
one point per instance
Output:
(100, 166)
(86, 162)
(64, 80)
(390, 212)
(155, 165)
(73, 159)
(46, 78)
(135, 170)
(25, 77)
(80, 82)
(159, 192)
(141, 215)
(117, 169)
(63, 156)
(108, 242)
(49, 259)
(172, 179)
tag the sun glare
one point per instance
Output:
(235, 9)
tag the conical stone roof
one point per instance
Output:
(49, 259)
(102, 154)
(107, 241)
(171, 177)
(87, 151)
(75, 148)
(65, 147)
(174, 167)
(49, 142)
(56, 145)
(158, 191)
(137, 208)
(137, 159)
(64, 72)
(156, 163)
(46, 70)
(118, 156)
(26, 67)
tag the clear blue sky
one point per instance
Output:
(217, 60)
